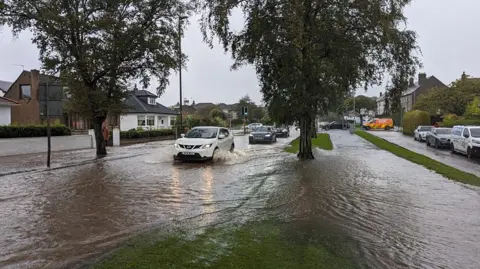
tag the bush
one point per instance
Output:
(15, 131)
(460, 121)
(412, 119)
(133, 134)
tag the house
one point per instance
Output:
(5, 110)
(229, 110)
(413, 91)
(144, 112)
(4, 86)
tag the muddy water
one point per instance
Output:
(395, 214)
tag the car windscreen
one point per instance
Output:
(262, 129)
(443, 131)
(206, 133)
(475, 132)
(425, 128)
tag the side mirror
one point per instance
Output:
(182, 135)
(221, 136)
(466, 136)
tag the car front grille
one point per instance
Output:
(190, 146)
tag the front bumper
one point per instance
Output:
(193, 154)
(444, 143)
(282, 134)
(259, 139)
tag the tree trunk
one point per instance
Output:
(314, 128)
(305, 147)
(100, 141)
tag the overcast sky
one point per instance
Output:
(448, 31)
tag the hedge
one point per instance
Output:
(460, 121)
(412, 119)
(133, 134)
(14, 131)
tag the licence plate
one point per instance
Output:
(188, 153)
(258, 138)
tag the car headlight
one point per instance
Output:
(176, 145)
(206, 146)
(285, 130)
(267, 135)
(251, 134)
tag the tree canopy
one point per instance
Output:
(313, 52)
(361, 101)
(99, 47)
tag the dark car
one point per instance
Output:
(262, 134)
(439, 137)
(338, 125)
(282, 131)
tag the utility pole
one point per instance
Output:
(245, 113)
(180, 18)
(47, 116)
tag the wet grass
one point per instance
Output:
(252, 246)
(439, 167)
(322, 141)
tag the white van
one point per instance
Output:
(466, 140)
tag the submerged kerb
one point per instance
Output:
(259, 245)
(321, 141)
(439, 167)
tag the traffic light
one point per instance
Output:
(245, 111)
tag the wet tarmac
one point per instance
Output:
(395, 214)
(445, 156)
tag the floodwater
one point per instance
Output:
(394, 213)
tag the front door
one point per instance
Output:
(464, 139)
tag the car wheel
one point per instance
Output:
(469, 153)
(452, 147)
(387, 128)
(436, 144)
(428, 142)
(232, 147)
(215, 152)
(415, 137)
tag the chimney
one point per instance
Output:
(380, 94)
(422, 77)
(34, 83)
(135, 88)
(464, 76)
(411, 82)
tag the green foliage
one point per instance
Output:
(266, 120)
(98, 47)
(255, 113)
(473, 110)
(217, 113)
(412, 119)
(439, 167)
(195, 120)
(460, 121)
(133, 134)
(361, 101)
(312, 56)
(14, 131)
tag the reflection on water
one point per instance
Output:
(393, 213)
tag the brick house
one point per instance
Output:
(413, 91)
(30, 89)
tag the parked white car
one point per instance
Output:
(466, 140)
(421, 132)
(202, 143)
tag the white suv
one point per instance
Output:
(202, 143)
(466, 140)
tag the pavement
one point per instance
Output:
(387, 211)
(445, 156)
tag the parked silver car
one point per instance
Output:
(421, 132)
(439, 137)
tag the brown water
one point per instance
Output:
(395, 213)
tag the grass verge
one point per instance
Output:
(260, 245)
(322, 141)
(439, 167)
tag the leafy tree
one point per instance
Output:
(279, 111)
(473, 109)
(312, 52)
(99, 46)
(361, 101)
(217, 113)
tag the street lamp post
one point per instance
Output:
(180, 18)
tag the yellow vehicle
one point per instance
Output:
(376, 124)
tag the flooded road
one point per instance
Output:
(445, 156)
(394, 214)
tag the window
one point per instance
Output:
(162, 121)
(172, 122)
(207, 133)
(475, 132)
(465, 132)
(150, 120)
(25, 92)
(151, 101)
(141, 120)
(224, 132)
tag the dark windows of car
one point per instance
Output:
(224, 132)
(424, 128)
(206, 133)
(475, 132)
(263, 129)
(442, 131)
(465, 132)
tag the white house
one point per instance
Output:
(145, 112)
(5, 110)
